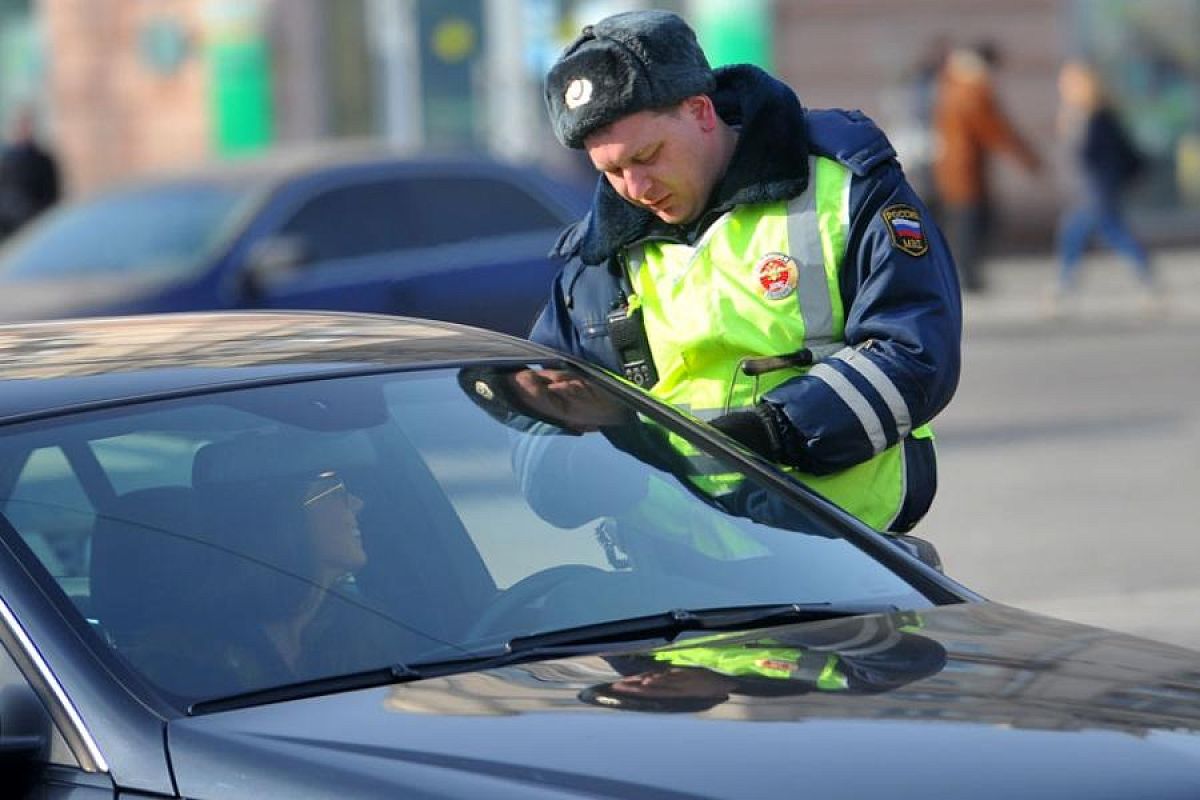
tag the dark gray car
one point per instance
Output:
(329, 555)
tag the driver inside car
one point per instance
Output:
(281, 584)
(294, 545)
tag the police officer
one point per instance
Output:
(765, 266)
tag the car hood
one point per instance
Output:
(26, 300)
(1016, 705)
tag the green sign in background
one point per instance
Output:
(240, 87)
(734, 31)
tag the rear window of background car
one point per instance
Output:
(414, 213)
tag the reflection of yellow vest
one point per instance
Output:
(762, 281)
(769, 658)
(781, 663)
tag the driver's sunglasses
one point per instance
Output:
(328, 485)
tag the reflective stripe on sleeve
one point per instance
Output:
(880, 382)
(859, 405)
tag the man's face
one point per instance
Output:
(660, 161)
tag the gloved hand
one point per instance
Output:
(761, 429)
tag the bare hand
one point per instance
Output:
(564, 395)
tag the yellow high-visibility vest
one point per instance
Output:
(761, 281)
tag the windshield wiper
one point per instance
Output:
(368, 679)
(667, 625)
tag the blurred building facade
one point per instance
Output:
(129, 86)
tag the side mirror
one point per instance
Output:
(24, 737)
(918, 548)
(272, 260)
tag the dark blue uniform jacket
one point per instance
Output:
(902, 311)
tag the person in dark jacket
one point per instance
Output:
(29, 182)
(764, 266)
(1105, 163)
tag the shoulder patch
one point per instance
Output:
(903, 223)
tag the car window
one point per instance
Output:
(245, 539)
(143, 459)
(154, 232)
(55, 513)
(417, 212)
(473, 465)
(50, 507)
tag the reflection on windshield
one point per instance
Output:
(999, 672)
(156, 232)
(561, 476)
(266, 536)
(863, 655)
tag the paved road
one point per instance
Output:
(1070, 457)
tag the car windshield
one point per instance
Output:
(147, 232)
(253, 538)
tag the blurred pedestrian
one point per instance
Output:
(923, 82)
(1105, 162)
(29, 182)
(971, 126)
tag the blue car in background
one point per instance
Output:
(355, 229)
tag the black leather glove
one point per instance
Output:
(761, 429)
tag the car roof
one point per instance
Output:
(54, 366)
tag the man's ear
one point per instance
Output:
(700, 108)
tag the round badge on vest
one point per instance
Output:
(777, 275)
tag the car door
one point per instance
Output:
(454, 245)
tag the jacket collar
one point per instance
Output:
(769, 163)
